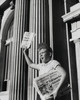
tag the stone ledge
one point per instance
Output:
(71, 15)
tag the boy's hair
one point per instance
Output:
(44, 46)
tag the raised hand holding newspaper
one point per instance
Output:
(27, 39)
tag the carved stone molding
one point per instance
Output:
(73, 13)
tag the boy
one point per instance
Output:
(47, 64)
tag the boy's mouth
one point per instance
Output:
(42, 58)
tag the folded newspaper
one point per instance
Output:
(27, 39)
(46, 84)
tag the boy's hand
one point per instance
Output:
(24, 49)
(55, 94)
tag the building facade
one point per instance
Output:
(55, 22)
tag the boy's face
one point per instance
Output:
(44, 55)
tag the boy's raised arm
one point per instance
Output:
(29, 61)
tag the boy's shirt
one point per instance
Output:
(45, 67)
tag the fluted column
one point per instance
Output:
(0, 22)
(51, 23)
(17, 89)
(39, 24)
(30, 91)
(33, 27)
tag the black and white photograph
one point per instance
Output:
(39, 49)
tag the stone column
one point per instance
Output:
(51, 23)
(40, 12)
(73, 17)
(77, 48)
(76, 38)
(75, 32)
(17, 89)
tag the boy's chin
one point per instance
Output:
(44, 61)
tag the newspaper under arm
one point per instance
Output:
(47, 84)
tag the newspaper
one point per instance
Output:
(46, 84)
(27, 39)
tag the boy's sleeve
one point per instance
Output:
(35, 66)
(56, 63)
